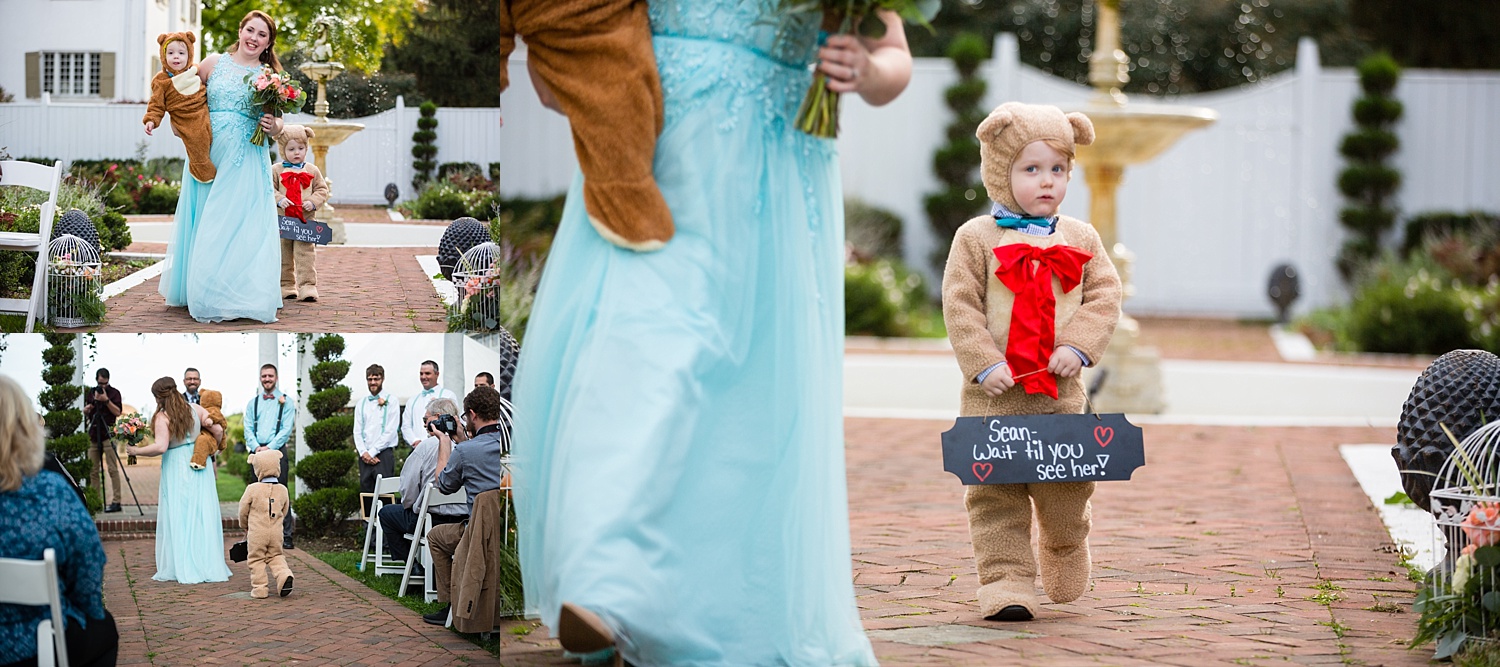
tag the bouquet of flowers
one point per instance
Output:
(130, 427)
(275, 93)
(819, 114)
(1467, 604)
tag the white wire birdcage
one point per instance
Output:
(1462, 593)
(477, 279)
(74, 281)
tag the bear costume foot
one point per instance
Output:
(997, 599)
(285, 585)
(259, 592)
(289, 293)
(307, 293)
(196, 466)
(1065, 571)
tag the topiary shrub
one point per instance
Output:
(327, 403)
(1368, 183)
(871, 232)
(324, 510)
(61, 401)
(329, 434)
(956, 163)
(423, 149)
(1408, 312)
(321, 470)
(325, 374)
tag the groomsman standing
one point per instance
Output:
(413, 430)
(268, 425)
(376, 430)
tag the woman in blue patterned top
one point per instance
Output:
(39, 511)
(224, 257)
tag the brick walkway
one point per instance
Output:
(1208, 557)
(329, 620)
(361, 290)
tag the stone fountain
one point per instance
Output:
(326, 133)
(1125, 134)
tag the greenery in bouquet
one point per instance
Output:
(131, 428)
(275, 93)
(819, 113)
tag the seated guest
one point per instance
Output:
(40, 511)
(473, 465)
(420, 468)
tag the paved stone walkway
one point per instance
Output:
(1233, 546)
(361, 290)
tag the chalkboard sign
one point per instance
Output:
(312, 231)
(1043, 448)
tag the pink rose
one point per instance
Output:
(1482, 526)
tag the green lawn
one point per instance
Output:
(231, 487)
(348, 563)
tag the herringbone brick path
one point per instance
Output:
(1234, 546)
(361, 290)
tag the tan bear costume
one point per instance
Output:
(978, 309)
(299, 272)
(597, 59)
(206, 446)
(183, 95)
(262, 509)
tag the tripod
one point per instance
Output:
(108, 444)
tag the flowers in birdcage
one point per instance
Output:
(275, 93)
(1482, 525)
(476, 284)
(130, 427)
(65, 265)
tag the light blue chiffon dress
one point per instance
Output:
(189, 527)
(679, 453)
(224, 257)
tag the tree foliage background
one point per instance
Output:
(366, 26)
(453, 49)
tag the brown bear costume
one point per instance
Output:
(263, 508)
(183, 95)
(596, 58)
(206, 446)
(299, 271)
(977, 308)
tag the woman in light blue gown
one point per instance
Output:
(679, 458)
(189, 527)
(224, 257)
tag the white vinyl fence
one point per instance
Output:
(1207, 220)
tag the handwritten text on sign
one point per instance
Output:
(312, 231)
(1043, 448)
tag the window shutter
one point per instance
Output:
(107, 76)
(34, 74)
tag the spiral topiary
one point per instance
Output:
(60, 400)
(1368, 183)
(956, 163)
(332, 494)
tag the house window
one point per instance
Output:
(71, 74)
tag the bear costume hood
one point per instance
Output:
(300, 133)
(1011, 127)
(266, 463)
(166, 38)
(210, 399)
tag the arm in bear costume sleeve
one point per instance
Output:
(318, 193)
(245, 505)
(1094, 323)
(157, 106)
(965, 284)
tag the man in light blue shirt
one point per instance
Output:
(269, 419)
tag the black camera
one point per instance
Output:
(444, 423)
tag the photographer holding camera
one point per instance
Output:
(397, 520)
(101, 405)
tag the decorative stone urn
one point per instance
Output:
(1461, 390)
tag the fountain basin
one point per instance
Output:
(1136, 133)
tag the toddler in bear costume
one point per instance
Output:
(1029, 298)
(177, 90)
(206, 446)
(300, 190)
(262, 509)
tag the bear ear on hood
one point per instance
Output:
(1083, 128)
(162, 38)
(307, 133)
(190, 37)
(996, 123)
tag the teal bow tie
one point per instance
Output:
(1023, 222)
(372, 397)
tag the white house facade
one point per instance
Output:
(87, 50)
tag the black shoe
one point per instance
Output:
(1012, 613)
(439, 617)
(286, 588)
(113, 507)
(286, 543)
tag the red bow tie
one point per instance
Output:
(268, 396)
(1028, 270)
(293, 182)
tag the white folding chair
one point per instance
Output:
(374, 532)
(419, 553)
(47, 179)
(34, 582)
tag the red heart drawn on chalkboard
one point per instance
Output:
(320, 229)
(1103, 435)
(987, 468)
